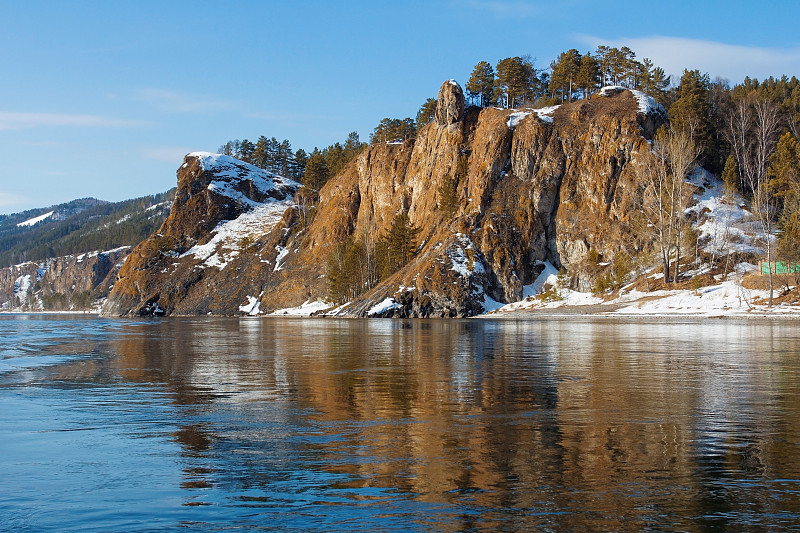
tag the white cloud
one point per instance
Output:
(167, 154)
(178, 102)
(730, 61)
(15, 121)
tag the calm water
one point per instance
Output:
(325, 425)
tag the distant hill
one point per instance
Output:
(80, 226)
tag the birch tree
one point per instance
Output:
(666, 194)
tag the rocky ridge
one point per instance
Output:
(540, 185)
(72, 282)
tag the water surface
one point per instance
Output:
(392, 425)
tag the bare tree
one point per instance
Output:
(738, 123)
(764, 138)
(666, 194)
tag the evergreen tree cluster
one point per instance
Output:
(269, 154)
(328, 162)
(515, 82)
(357, 265)
(396, 130)
(313, 169)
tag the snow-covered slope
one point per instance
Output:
(229, 173)
(35, 220)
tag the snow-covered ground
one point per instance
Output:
(35, 220)
(225, 243)
(722, 221)
(544, 114)
(306, 309)
(727, 298)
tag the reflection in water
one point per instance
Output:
(431, 425)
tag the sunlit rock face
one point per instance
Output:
(531, 186)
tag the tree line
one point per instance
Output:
(312, 170)
(515, 81)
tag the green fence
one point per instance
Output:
(780, 267)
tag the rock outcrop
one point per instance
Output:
(72, 282)
(531, 186)
(203, 257)
(450, 103)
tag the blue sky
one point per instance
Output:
(103, 99)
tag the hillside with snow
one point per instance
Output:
(80, 226)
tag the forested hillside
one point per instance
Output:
(81, 226)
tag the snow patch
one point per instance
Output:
(21, 286)
(723, 222)
(307, 308)
(543, 113)
(224, 243)
(464, 262)
(282, 253)
(383, 306)
(647, 104)
(35, 220)
(162, 204)
(549, 276)
(727, 298)
(251, 307)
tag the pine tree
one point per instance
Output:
(588, 75)
(299, 165)
(784, 169)
(398, 246)
(316, 171)
(426, 113)
(565, 73)
(691, 112)
(284, 155)
(260, 153)
(246, 149)
(272, 154)
(353, 144)
(730, 175)
(516, 81)
(481, 84)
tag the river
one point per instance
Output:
(398, 425)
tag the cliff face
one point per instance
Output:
(73, 282)
(532, 186)
(216, 246)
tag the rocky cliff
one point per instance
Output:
(73, 282)
(530, 186)
(216, 247)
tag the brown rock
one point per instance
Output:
(541, 190)
(450, 104)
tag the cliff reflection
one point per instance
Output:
(511, 424)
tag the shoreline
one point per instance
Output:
(577, 312)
